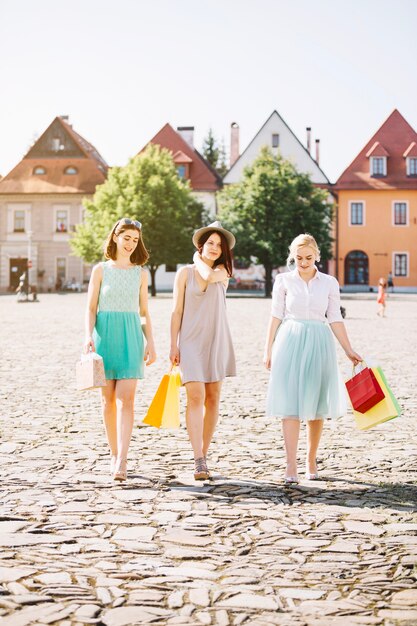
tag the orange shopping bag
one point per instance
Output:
(384, 411)
(164, 411)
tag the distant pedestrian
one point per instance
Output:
(305, 384)
(382, 285)
(200, 337)
(390, 282)
(117, 299)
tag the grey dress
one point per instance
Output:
(205, 343)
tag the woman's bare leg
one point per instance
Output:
(211, 413)
(194, 416)
(314, 430)
(291, 432)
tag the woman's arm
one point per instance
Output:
(92, 303)
(274, 324)
(150, 353)
(339, 331)
(176, 317)
(207, 273)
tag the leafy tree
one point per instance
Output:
(147, 189)
(272, 204)
(215, 153)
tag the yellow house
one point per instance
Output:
(376, 222)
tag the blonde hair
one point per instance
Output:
(300, 241)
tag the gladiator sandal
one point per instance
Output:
(200, 470)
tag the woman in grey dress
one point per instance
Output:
(201, 343)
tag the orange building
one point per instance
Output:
(376, 224)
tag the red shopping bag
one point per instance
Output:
(364, 390)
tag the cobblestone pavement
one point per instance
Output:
(162, 549)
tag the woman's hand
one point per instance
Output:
(150, 354)
(354, 357)
(174, 356)
(267, 359)
(89, 345)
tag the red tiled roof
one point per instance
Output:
(202, 176)
(22, 180)
(395, 136)
(377, 150)
(411, 150)
(77, 152)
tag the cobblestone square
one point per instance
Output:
(162, 549)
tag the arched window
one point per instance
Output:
(70, 170)
(356, 268)
(38, 170)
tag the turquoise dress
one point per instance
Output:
(118, 335)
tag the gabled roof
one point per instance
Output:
(56, 149)
(377, 150)
(291, 149)
(411, 150)
(201, 175)
(396, 136)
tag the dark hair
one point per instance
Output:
(140, 254)
(226, 257)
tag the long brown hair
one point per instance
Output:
(139, 255)
(226, 257)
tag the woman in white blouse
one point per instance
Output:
(305, 383)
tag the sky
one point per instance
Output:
(122, 69)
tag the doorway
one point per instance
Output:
(17, 268)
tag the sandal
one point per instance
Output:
(200, 470)
(119, 473)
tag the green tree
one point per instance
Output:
(272, 204)
(147, 189)
(215, 153)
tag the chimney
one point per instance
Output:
(317, 151)
(187, 133)
(234, 143)
(65, 118)
(308, 129)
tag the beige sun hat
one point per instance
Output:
(216, 226)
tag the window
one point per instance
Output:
(378, 166)
(412, 166)
(356, 214)
(181, 171)
(61, 269)
(62, 221)
(19, 222)
(70, 170)
(275, 140)
(38, 170)
(400, 214)
(170, 268)
(400, 264)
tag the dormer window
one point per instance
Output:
(38, 170)
(70, 170)
(412, 166)
(378, 166)
(181, 171)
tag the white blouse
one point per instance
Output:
(319, 299)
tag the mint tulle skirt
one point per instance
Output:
(305, 381)
(119, 340)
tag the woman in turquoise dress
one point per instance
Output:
(117, 299)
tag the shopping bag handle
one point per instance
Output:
(361, 363)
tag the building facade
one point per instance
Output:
(40, 205)
(377, 210)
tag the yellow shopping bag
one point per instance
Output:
(384, 411)
(164, 411)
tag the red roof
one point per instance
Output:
(201, 175)
(391, 140)
(58, 148)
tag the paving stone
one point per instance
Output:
(164, 549)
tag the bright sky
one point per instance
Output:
(122, 69)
